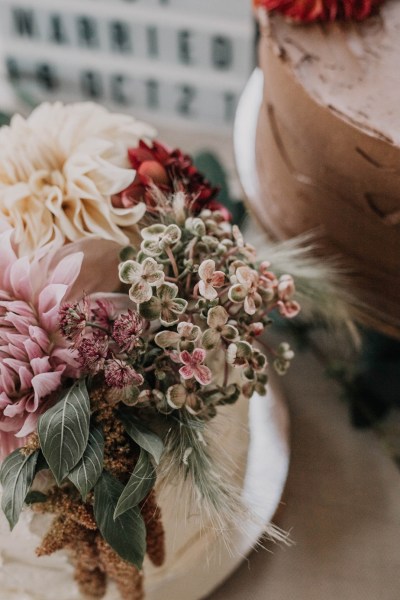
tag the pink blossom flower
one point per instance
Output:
(193, 366)
(33, 355)
(210, 279)
(287, 307)
(92, 353)
(73, 319)
(127, 329)
(104, 313)
(246, 289)
(119, 374)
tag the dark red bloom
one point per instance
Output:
(170, 171)
(321, 10)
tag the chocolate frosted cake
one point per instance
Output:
(328, 145)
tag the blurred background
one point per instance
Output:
(180, 64)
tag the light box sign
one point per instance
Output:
(176, 59)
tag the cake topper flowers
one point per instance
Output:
(121, 339)
(307, 11)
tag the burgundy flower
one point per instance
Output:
(92, 353)
(119, 374)
(321, 10)
(170, 171)
(127, 329)
(104, 313)
(73, 319)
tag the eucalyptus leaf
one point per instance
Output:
(139, 485)
(127, 533)
(143, 437)
(16, 476)
(86, 473)
(64, 431)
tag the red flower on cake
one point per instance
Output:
(321, 10)
(170, 171)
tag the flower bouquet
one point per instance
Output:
(130, 308)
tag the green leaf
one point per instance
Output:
(86, 473)
(151, 309)
(64, 431)
(127, 533)
(143, 437)
(139, 485)
(16, 476)
(35, 497)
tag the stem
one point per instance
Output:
(96, 326)
(226, 374)
(171, 257)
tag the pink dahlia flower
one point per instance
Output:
(34, 358)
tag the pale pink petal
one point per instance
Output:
(20, 279)
(206, 269)
(16, 352)
(29, 425)
(40, 365)
(249, 305)
(7, 380)
(198, 355)
(49, 305)
(25, 376)
(32, 349)
(218, 279)
(185, 357)
(186, 372)
(289, 309)
(207, 291)
(245, 276)
(202, 374)
(44, 384)
(14, 363)
(16, 408)
(16, 339)
(7, 256)
(68, 269)
(40, 337)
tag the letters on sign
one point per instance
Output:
(198, 51)
(166, 97)
(218, 50)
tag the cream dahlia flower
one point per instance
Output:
(59, 169)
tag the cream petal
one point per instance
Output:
(206, 269)
(130, 271)
(140, 292)
(217, 316)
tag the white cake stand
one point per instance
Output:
(244, 134)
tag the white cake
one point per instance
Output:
(195, 562)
